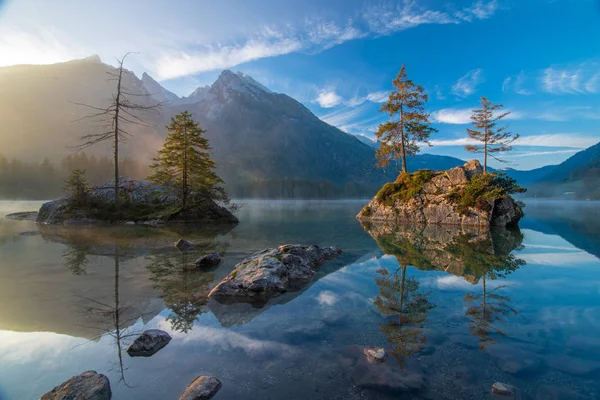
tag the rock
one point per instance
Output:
(503, 390)
(209, 260)
(201, 388)
(183, 244)
(388, 377)
(90, 385)
(149, 343)
(431, 204)
(375, 355)
(146, 200)
(29, 233)
(273, 271)
(23, 216)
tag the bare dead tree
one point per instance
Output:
(119, 113)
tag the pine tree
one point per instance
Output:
(493, 139)
(76, 185)
(399, 139)
(185, 162)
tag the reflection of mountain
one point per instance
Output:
(569, 220)
(474, 254)
(82, 274)
(469, 252)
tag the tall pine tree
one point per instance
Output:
(399, 139)
(494, 139)
(185, 162)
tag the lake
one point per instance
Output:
(455, 309)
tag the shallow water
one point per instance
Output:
(456, 310)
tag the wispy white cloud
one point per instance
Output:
(578, 79)
(539, 153)
(467, 84)
(462, 116)
(327, 298)
(566, 140)
(344, 116)
(517, 84)
(374, 97)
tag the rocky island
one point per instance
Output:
(463, 195)
(141, 203)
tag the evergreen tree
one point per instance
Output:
(493, 139)
(185, 162)
(76, 185)
(399, 139)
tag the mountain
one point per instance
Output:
(157, 91)
(366, 141)
(531, 176)
(197, 95)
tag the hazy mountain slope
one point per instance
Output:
(531, 176)
(575, 167)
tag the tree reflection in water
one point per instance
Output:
(472, 253)
(405, 310)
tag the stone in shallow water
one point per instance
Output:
(149, 343)
(183, 244)
(502, 391)
(201, 388)
(90, 385)
(208, 260)
(375, 355)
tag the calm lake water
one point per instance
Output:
(456, 310)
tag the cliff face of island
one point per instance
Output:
(141, 203)
(458, 196)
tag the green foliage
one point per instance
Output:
(76, 186)
(406, 186)
(400, 138)
(184, 162)
(366, 212)
(493, 139)
(481, 189)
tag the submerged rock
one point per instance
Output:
(502, 391)
(23, 216)
(90, 385)
(201, 388)
(430, 202)
(149, 343)
(209, 260)
(273, 271)
(375, 355)
(147, 203)
(183, 244)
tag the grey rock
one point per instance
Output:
(201, 388)
(149, 343)
(503, 391)
(90, 385)
(183, 244)
(375, 355)
(23, 216)
(273, 271)
(208, 260)
(432, 206)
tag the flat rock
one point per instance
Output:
(90, 385)
(23, 216)
(208, 260)
(149, 343)
(201, 388)
(375, 355)
(273, 271)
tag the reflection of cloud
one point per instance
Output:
(453, 282)
(327, 298)
(229, 340)
(557, 259)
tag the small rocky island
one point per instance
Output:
(459, 196)
(140, 202)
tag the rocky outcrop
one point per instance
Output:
(87, 386)
(201, 388)
(149, 343)
(273, 271)
(432, 205)
(143, 203)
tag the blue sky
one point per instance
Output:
(540, 58)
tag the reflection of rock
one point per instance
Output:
(201, 388)
(88, 385)
(273, 271)
(463, 251)
(149, 343)
(431, 205)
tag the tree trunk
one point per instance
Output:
(404, 169)
(117, 107)
(485, 150)
(185, 170)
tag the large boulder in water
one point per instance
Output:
(144, 202)
(430, 197)
(149, 343)
(90, 385)
(273, 271)
(201, 388)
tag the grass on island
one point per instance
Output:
(406, 186)
(481, 189)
